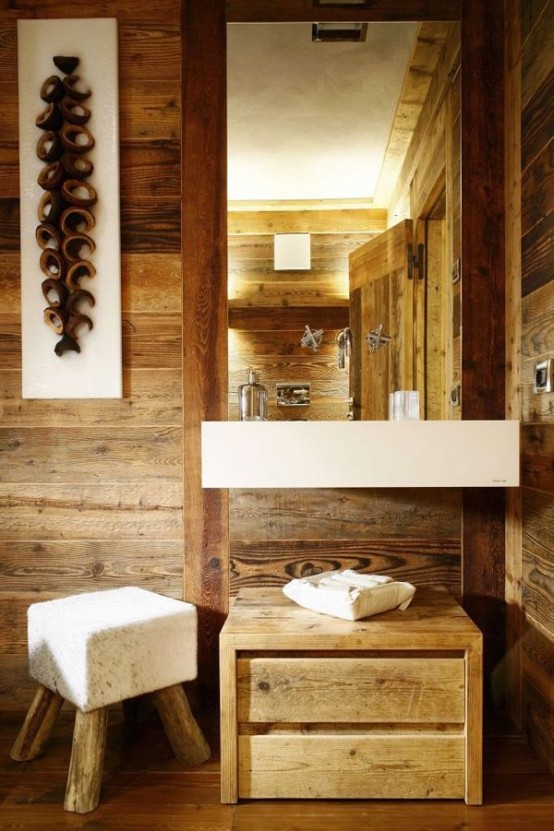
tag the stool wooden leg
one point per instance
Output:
(36, 729)
(184, 734)
(87, 757)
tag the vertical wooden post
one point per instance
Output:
(514, 529)
(204, 263)
(483, 309)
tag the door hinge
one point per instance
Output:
(416, 262)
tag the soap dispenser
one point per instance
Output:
(252, 399)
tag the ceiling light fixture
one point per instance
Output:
(291, 252)
(333, 32)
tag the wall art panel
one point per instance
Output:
(70, 228)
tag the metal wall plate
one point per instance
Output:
(542, 379)
(293, 395)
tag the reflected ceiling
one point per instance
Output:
(311, 121)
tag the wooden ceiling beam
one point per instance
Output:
(296, 11)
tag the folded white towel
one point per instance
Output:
(348, 594)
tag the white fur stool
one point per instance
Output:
(100, 648)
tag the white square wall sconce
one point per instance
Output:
(291, 252)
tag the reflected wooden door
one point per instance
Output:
(381, 300)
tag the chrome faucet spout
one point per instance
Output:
(344, 343)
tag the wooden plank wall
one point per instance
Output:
(286, 302)
(537, 248)
(91, 492)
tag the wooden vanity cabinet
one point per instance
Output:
(316, 707)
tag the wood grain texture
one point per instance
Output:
(150, 170)
(242, 11)
(370, 220)
(354, 514)
(537, 459)
(145, 788)
(165, 10)
(537, 203)
(538, 188)
(423, 562)
(43, 511)
(152, 341)
(315, 767)
(37, 726)
(184, 734)
(538, 673)
(150, 397)
(515, 396)
(86, 500)
(483, 311)
(73, 455)
(17, 690)
(361, 689)
(538, 48)
(151, 48)
(537, 250)
(535, 132)
(290, 676)
(289, 317)
(30, 568)
(84, 779)
(538, 324)
(204, 256)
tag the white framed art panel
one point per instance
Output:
(96, 371)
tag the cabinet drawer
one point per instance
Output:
(416, 690)
(400, 766)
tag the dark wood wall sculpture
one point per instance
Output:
(65, 211)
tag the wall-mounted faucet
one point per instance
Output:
(377, 338)
(312, 339)
(350, 414)
(344, 343)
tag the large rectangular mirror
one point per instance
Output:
(349, 133)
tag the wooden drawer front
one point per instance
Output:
(402, 766)
(351, 690)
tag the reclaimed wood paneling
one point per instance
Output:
(91, 491)
(17, 689)
(278, 535)
(537, 253)
(280, 318)
(370, 220)
(274, 563)
(66, 566)
(271, 344)
(535, 130)
(536, 63)
(150, 397)
(538, 669)
(537, 457)
(87, 512)
(537, 341)
(43, 454)
(354, 513)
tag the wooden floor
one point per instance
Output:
(144, 788)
